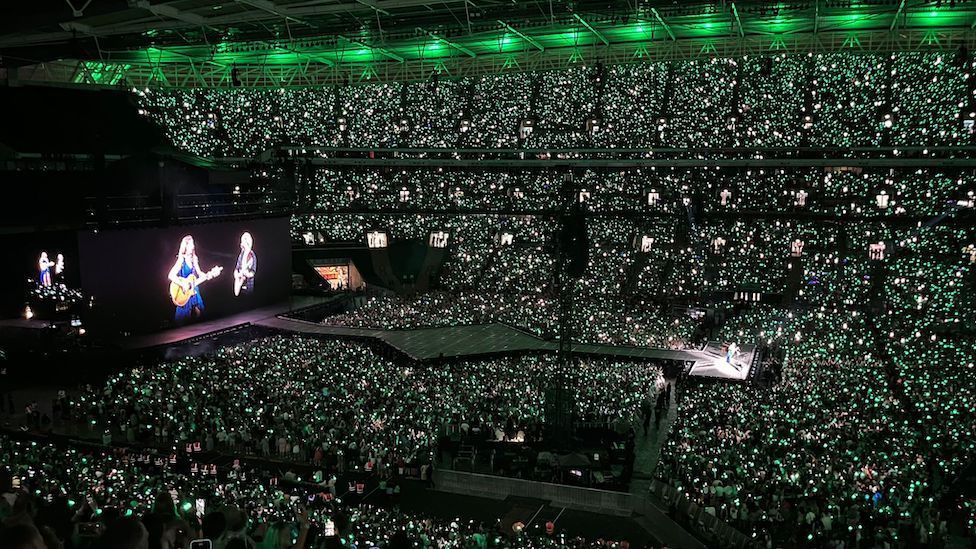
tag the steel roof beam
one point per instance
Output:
(894, 22)
(738, 22)
(816, 16)
(454, 45)
(377, 49)
(270, 7)
(165, 10)
(311, 56)
(663, 24)
(136, 26)
(593, 30)
(522, 36)
(374, 7)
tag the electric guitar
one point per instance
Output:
(181, 295)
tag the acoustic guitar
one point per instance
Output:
(181, 295)
(239, 280)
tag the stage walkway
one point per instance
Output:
(199, 329)
(484, 339)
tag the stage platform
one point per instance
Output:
(24, 324)
(714, 362)
(424, 344)
(199, 329)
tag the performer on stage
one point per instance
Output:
(44, 270)
(185, 278)
(247, 266)
(59, 269)
(733, 349)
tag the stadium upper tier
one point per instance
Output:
(836, 100)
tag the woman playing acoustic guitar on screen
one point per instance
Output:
(185, 278)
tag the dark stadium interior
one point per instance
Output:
(483, 273)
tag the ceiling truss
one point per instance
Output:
(210, 42)
(189, 74)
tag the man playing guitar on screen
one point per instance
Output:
(185, 278)
(247, 266)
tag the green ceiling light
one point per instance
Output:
(298, 53)
(591, 29)
(454, 45)
(375, 49)
(663, 24)
(161, 51)
(528, 39)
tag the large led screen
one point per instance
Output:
(148, 279)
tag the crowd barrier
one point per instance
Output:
(720, 533)
(497, 487)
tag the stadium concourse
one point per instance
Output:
(360, 274)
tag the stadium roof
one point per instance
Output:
(197, 43)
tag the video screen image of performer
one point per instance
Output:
(185, 278)
(44, 270)
(247, 266)
(59, 268)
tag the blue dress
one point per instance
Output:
(44, 277)
(196, 300)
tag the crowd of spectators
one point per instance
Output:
(871, 193)
(868, 308)
(342, 405)
(67, 495)
(872, 421)
(786, 100)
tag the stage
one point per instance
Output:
(200, 329)
(713, 362)
(423, 344)
(426, 344)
